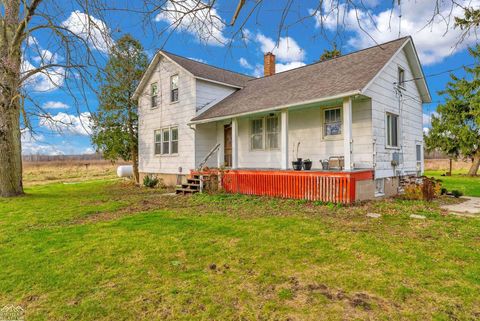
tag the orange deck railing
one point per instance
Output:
(337, 187)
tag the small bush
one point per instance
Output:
(443, 191)
(150, 181)
(457, 193)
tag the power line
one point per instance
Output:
(438, 73)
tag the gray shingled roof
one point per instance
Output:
(199, 69)
(348, 73)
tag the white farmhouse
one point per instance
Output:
(357, 118)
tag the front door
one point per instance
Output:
(227, 134)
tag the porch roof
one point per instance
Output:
(331, 79)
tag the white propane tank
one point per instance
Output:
(125, 171)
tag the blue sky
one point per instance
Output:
(301, 43)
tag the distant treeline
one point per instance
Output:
(53, 158)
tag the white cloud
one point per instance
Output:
(434, 42)
(33, 144)
(68, 124)
(92, 30)
(47, 80)
(427, 118)
(194, 17)
(279, 67)
(55, 105)
(46, 57)
(286, 50)
(89, 150)
(244, 63)
(197, 59)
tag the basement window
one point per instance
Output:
(379, 187)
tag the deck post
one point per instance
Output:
(347, 132)
(284, 139)
(234, 143)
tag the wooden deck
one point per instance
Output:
(326, 186)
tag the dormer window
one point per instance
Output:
(153, 95)
(401, 77)
(174, 88)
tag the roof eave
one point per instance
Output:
(276, 108)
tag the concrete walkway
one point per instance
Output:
(471, 207)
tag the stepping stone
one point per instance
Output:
(420, 217)
(374, 215)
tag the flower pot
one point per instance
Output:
(297, 166)
(307, 165)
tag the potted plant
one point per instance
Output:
(297, 165)
(307, 164)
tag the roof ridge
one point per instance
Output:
(331, 59)
(204, 63)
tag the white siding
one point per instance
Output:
(205, 140)
(409, 108)
(208, 94)
(306, 127)
(167, 114)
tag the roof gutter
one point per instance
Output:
(307, 102)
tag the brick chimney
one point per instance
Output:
(268, 64)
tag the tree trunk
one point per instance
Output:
(475, 165)
(10, 152)
(136, 175)
(10, 95)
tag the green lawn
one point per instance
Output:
(107, 251)
(470, 186)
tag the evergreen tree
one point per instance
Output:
(456, 128)
(115, 124)
(330, 54)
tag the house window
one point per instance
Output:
(174, 135)
(257, 133)
(265, 133)
(379, 186)
(419, 157)
(392, 130)
(166, 141)
(153, 95)
(158, 142)
(401, 77)
(273, 132)
(174, 88)
(332, 122)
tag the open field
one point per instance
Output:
(35, 173)
(106, 250)
(470, 186)
(443, 165)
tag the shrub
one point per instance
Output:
(427, 189)
(413, 192)
(457, 193)
(443, 191)
(150, 181)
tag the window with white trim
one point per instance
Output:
(332, 122)
(265, 132)
(158, 142)
(273, 132)
(153, 95)
(174, 88)
(419, 156)
(401, 77)
(174, 134)
(379, 186)
(256, 134)
(392, 130)
(166, 141)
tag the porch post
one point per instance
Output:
(347, 132)
(284, 139)
(234, 143)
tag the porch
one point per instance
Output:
(316, 185)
